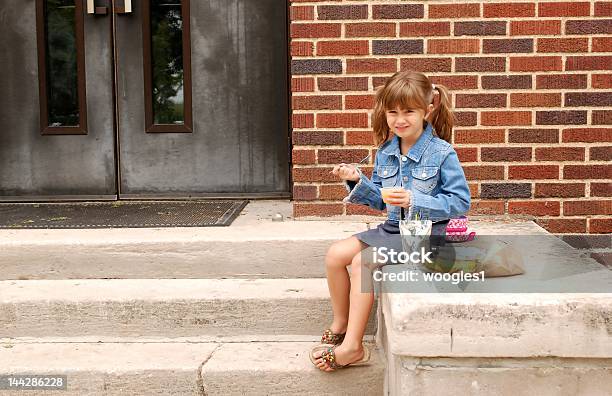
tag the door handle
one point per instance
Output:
(126, 9)
(93, 10)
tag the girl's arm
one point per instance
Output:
(453, 200)
(366, 191)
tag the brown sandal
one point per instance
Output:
(332, 338)
(329, 356)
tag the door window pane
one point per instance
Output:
(61, 63)
(167, 62)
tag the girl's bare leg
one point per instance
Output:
(338, 257)
(361, 303)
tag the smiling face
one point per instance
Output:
(407, 123)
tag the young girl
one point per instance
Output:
(414, 153)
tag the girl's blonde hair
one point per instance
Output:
(412, 90)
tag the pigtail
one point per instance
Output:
(442, 116)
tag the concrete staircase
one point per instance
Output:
(208, 311)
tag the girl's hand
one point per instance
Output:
(400, 198)
(346, 172)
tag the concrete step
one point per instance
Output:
(255, 368)
(258, 249)
(165, 307)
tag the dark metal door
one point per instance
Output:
(182, 98)
(57, 138)
(234, 55)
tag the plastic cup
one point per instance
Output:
(385, 191)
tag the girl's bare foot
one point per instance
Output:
(344, 355)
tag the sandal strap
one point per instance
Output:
(329, 357)
(332, 338)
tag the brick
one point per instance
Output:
(480, 100)
(506, 82)
(603, 8)
(535, 100)
(601, 81)
(533, 136)
(379, 81)
(601, 117)
(590, 207)
(465, 118)
(494, 118)
(563, 45)
(533, 172)
(336, 156)
(600, 226)
(302, 84)
(481, 64)
(453, 10)
(509, 154)
(304, 193)
(588, 62)
(342, 12)
(317, 138)
(602, 44)
(594, 26)
(316, 209)
(395, 47)
(587, 172)
(342, 120)
(301, 48)
(423, 29)
(332, 192)
(513, 10)
(535, 208)
(453, 46)
(347, 47)
(467, 136)
(355, 102)
(505, 190)
(429, 64)
(384, 65)
(303, 157)
(397, 11)
(317, 102)
(559, 154)
(302, 120)
(480, 28)
(367, 29)
(473, 190)
(467, 154)
(484, 172)
(486, 208)
(564, 9)
(574, 117)
(315, 30)
(354, 209)
(301, 13)
(456, 82)
(603, 153)
(587, 135)
(342, 83)
(310, 175)
(316, 66)
(534, 28)
(536, 63)
(559, 190)
(561, 81)
(562, 226)
(505, 46)
(601, 189)
(590, 99)
(360, 138)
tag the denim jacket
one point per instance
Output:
(431, 171)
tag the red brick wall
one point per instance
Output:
(531, 86)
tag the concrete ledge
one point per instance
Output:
(164, 307)
(189, 368)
